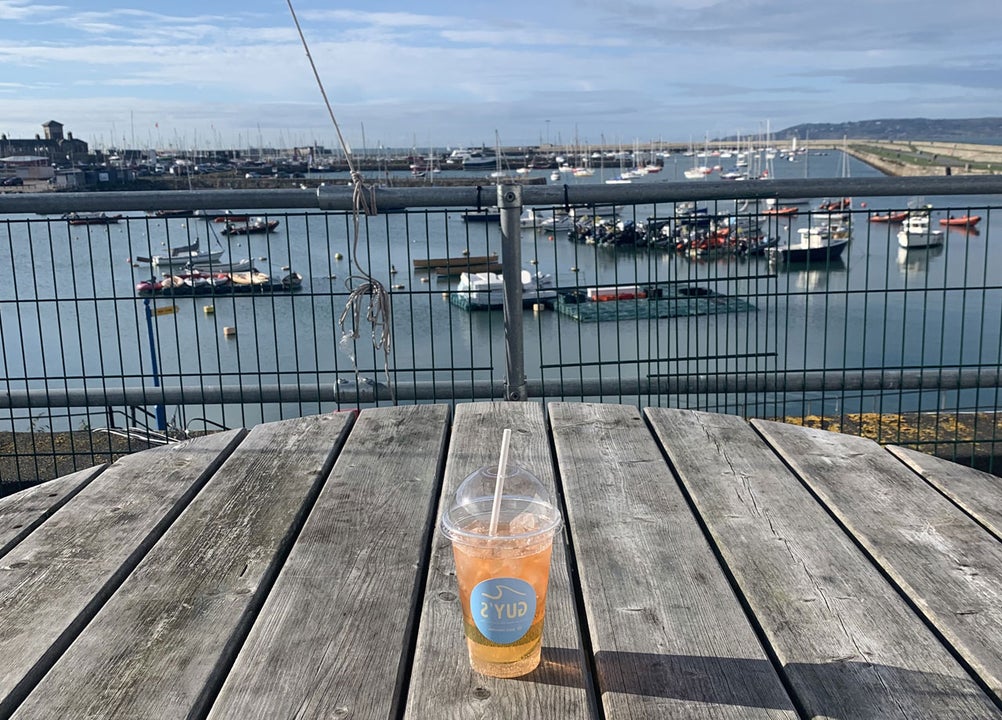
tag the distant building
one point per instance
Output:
(54, 147)
(27, 167)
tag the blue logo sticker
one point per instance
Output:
(503, 609)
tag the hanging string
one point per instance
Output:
(360, 284)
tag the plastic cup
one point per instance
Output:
(502, 577)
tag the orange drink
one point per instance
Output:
(503, 577)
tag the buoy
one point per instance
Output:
(465, 251)
(208, 309)
(574, 269)
(338, 256)
(229, 331)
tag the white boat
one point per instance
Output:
(486, 290)
(551, 220)
(191, 258)
(226, 266)
(917, 231)
(480, 160)
(697, 173)
(820, 243)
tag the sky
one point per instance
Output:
(435, 74)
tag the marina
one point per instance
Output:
(867, 307)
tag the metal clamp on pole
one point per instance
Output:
(510, 205)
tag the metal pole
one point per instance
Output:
(161, 411)
(510, 205)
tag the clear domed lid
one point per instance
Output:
(526, 506)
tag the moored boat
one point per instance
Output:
(482, 291)
(916, 232)
(786, 210)
(91, 218)
(249, 226)
(191, 258)
(961, 221)
(821, 243)
(251, 277)
(890, 217)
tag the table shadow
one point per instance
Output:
(836, 689)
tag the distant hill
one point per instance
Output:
(972, 130)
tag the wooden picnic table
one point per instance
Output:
(709, 567)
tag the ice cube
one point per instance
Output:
(524, 522)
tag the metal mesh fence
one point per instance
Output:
(145, 318)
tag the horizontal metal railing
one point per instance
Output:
(793, 357)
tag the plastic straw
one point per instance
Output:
(499, 482)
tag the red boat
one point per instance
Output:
(891, 217)
(962, 221)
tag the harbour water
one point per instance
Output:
(70, 315)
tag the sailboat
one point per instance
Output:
(622, 178)
(697, 171)
(500, 175)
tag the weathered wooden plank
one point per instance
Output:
(24, 511)
(54, 581)
(443, 684)
(849, 645)
(978, 493)
(154, 648)
(655, 597)
(333, 639)
(947, 564)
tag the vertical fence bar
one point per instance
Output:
(510, 205)
(161, 410)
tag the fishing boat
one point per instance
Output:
(482, 291)
(821, 243)
(961, 221)
(916, 231)
(250, 226)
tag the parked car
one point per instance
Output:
(12, 181)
